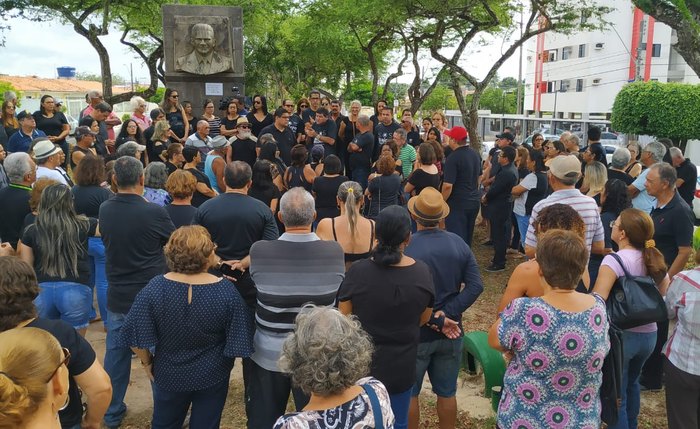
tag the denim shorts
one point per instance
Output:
(441, 359)
(66, 301)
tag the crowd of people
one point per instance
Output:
(331, 256)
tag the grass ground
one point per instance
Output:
(478, 317)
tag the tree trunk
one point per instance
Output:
(470, 114)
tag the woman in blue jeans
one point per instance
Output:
(633, 231)
(531, 189)
(56, 245)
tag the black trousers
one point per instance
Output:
(653, 371)
(267, 394)
(500, 216)
(461, 220)
(682, 398)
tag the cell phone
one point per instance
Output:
(227, 270)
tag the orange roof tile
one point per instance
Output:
(32, 83)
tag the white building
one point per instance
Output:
(578, 76)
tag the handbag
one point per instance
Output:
(376, 408)
(634, 300)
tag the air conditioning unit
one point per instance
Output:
(597, 81)
(599, 45)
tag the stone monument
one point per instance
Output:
(203, 47)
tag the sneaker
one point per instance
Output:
(495, 268)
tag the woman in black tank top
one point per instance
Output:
(354, 233)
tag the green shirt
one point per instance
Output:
(407, 157)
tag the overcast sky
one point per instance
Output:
(29, 50)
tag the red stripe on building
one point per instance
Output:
(650, 48)
(636, 28)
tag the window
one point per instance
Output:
(656, 50)
(643, 46)
(551, 86)
(567, 52)
(552, 55)
(579, 85)
(581, 51)
(564, 85)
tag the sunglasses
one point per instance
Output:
(174, 96)
(245, 127)
(288, 105)
(303, 106)
(65, 361)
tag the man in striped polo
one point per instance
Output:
(564, 172)
(294, 270)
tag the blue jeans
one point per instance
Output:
(636, 347)
(66, 301)
(170, 408)
(96, 251)
(118, 367)
(523, 223)
(399, 405)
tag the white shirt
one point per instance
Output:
(42, 171)
(528, 182)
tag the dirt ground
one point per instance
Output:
(474, 408)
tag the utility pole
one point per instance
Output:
(131, 72)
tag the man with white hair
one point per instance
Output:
(651, 154)
(14, 199)
(48, 158)
(621, 157)
(687, 175)
(297, 269)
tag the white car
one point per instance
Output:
(485, 148)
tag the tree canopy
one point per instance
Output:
(658, 109)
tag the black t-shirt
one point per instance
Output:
(462, 170)
(689, 173)
(155, 149)
(30, 239)
(673, 227)
(14, 206)
(82, 357)
(362, 159)
(181, 215)
(598, 152)
(421, 180)
(350, 130)
(198, 198)
(306, 116)
(52, 126)
(148, 134)
(389, 302)
(413, 138)
(235, 222)
(177, 123)
(87, 199)
(384, 192)
(255, 125)
(230, 124)
(285, 141)
(326, 190)
(382, 133)
(328, 129)
(296, 125)
(134, 232)
(266, 195)
(170, 167)
(620, 175)
(243, 150)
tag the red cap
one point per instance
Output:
(457, 133)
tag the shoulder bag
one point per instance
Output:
(634, 300)
(376, 407)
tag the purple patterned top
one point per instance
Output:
(555, 375)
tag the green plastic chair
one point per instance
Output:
(476, 349)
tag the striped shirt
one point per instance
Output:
(683, 304)
(407, 155)
(289, 272)
(585, 206)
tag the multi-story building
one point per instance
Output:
(577, 76)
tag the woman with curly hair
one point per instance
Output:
(328, 357)
(196, 323)
(525, 280)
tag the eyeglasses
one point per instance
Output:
(613, 224)
(66, 361)
(288, 105)
(303, 106)
(257, 102)
(245, 127)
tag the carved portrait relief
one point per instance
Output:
(203, 45)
